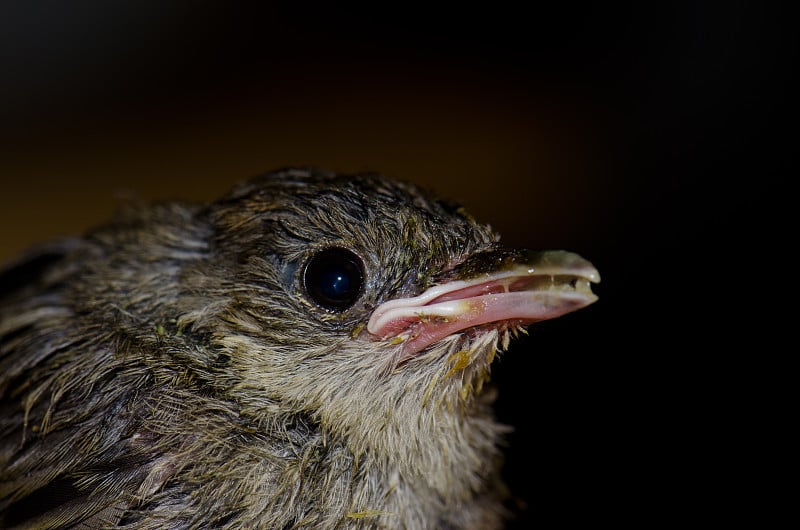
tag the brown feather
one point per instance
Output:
(168, 371)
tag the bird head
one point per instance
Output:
(365, 303)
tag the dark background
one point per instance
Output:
(645, 138)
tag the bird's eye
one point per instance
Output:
(334, 278)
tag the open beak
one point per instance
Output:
(518, 287)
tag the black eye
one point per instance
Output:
(333, 278)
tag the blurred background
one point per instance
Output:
(640, 136)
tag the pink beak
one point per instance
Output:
(540, 286)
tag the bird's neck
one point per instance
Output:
(414, 448)
(444, 468)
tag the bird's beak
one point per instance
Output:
(488, 288)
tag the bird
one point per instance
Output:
(311, 350)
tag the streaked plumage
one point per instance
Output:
(216, 365)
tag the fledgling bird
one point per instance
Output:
(310, 351)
